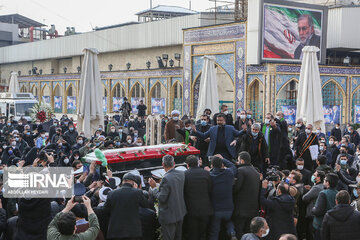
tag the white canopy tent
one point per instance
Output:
(309, 101)
(208, 90)
(90, 112)
(14, 83)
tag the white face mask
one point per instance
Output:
(76, 157)
(291, 145)
(43, 135)
(267, 121)
(300, 167)
(307, 131)
(226, 112)
(139, 144)
(188, 128)
(129, 141)
(175, 118)
(66, 160)
(242, 116)
(331, 142)
(112, 130)
(266, 233)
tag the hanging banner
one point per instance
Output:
(289, 114)
(158, 105)
(117, 102)
(134, 103)
(71, 104)
(357, 114)
(332, 114)
(58, 104)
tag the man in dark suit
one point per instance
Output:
(307, 35)
(122, 206)
(302, 146)
(217, 135)
(336, 132)
(224, 110)
(170, 195)
(246, 195)
(202, 144)
(254, 143)
(272, 135)
(197, 193)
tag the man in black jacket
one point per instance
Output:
(280, 210)
(122, 205)
(202, 144)
(336, 132)
(272, 134)
(246, 195)
(341, 222)
(224, 110)
(254, 143)
(197, 194)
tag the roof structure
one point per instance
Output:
(167, 9)
(22, 21)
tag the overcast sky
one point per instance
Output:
(86, 14)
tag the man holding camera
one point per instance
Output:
(63, 226)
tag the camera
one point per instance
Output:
(78, 199)
(272, 173)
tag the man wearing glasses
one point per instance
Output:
(307, 35)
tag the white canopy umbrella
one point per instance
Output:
(90, 112)
(14, 83)
(309, 102)
(208, 90)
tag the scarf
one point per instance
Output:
(264, 131)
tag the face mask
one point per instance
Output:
(343, 162)
(28, 133)
(80, 142)
(321, 148)
(298, 125)
(176, 119)
(135, 134)
(307, 131)
(129, 141)
(43, 135)
(117, 144)
(71, 129)
(290, 129)
(97, 134)
(255, 134)
(242, 116)
(226, 112)
(9, 124)
(355, 193)
(66, 160)
(112, 130)
(100, 129)
(55, 124)
(291, 145)
(266, 233)
(4, 146)
(267, 121)
(120, 130)
(358, 179)
(60, 144)
(17, 139)
(76, 157)
(300, 167)
(13, 143)
(19, 124)
(138, 144)
(10, 152)
(277, 117)
(313, 179)
(97, 144)
(203, 123)
(188, 128)
(317, 131)
(66, 123)
(37, 123)
(248, 116)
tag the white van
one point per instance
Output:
(17, 105)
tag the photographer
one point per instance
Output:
(279, 210)
(64, 223)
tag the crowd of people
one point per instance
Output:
(252, 180)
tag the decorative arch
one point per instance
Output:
(104, 90)
(141, 90)
(57, 90)
(255, 98)
(34, 90)
(336, 83)
(23, 89)
(195, 89)
(286, 83)
(44, 88)
(121, 90)
(72, 92)
(176, 94)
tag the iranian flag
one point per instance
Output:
(281, 36)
